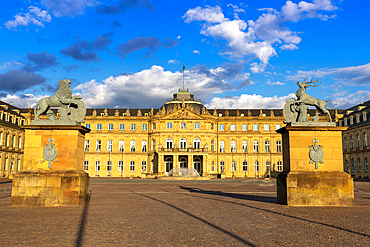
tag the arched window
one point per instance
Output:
(196, 143)
(365, 140)
(233, 146)
(359, 165)
(182, 143)
(245, 146)
(353, 166)
(358, 141)
(351, 142)
(267, 146)
(222, 147)
(347, 167)
(169, 143)
(255, 147)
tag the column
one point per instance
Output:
(190, 161)
(176, 161)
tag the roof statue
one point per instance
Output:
(72, 109)
(295, 110)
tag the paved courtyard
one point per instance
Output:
(124, 212)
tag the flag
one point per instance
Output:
(183, 68)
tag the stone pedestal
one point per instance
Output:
(308, 184)
(65, 182)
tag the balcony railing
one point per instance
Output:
(162, 149)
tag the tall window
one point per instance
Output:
(222, 147)
(169, 143)
(98, 127)
(109, 165)
(133, 126)
(212, 145)
(169, 126)
(278, 126)
(245, 166)
(143, 146)
(244, 127)
(109, 146)
(365, 140)
(351, 142)
(144, 127)
(278, 146)
(98, 145)
(183, 126)
(233, 166)
(245, 146)
(196, 126)
(353, 166)
(121, 146)
(255, 147)
(121, 126)
(87, 145)
(87, 126)
(212, 126)
(132, 166)
(358, 141)
(359, 165)
(97, 165)
(222, 166)
(213, 166)
(153, 126)
(143, 166)
(233, 146)
(279, 166)
(347, 167)
(232, 127)
(267, 146)
(110, 126)
(7, 140)
(153, 145)
(268, 166)
(132, 146)
(256, 166)
(266, 127)
(86, 165)
(13, 141)
(120, 166)
(182, 143)
(345, 144)
(19, 142)
(196, 143)
(18, 164)
(366, 165)
(255, 127)
(221, 127)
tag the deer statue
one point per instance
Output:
(302, 97)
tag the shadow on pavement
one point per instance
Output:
(200, 219)
(82, 226)
(267, 199)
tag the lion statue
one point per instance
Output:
(62, 98)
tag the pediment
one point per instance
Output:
(183, 114)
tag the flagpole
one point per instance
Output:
(183, 77)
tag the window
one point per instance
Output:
(153, 145)
(18, 164)
(110, 126)
(86, 165)
(183, 126)
(109, 165)
(222, 147)
(278, 126)
(256, 166)
(182, 143)
(222, 166)
(109, 146)
(347, 167)
(154, 126)
(212, 126)
(143, 146)
(7, 140)
(132, 146)
(255, 127)
(213, 166)
(351, 120)
(169, 126)
(267, 146)
(357, 118)
(359, 165)
(13, 141)
(232, 127)
(366, 165)
(97, 165)
(144, 127)
(345, 144)
(244, 127)
(98, 127)
(255, 147)
(196, 126)
(19, 142)
(245, 166)
(364, 117)
(233, 166)
(244, 146)
(353, 166)
(120, 166)
(278, 146)
(279, 166)
(233, 146)
(212, 145)
(365, 140)
(121, 126)
(121, 146)
(98, 145)
(133, 126)
(143, 166)
(221, 127)
(268, 166)
(87, 145)
(169, 143)
(196, 143)
(351, 142)
(132, 166)
(87, 126)
(358, 141)
(267, 127)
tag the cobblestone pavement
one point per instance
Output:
(136, 212)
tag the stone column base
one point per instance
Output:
(50, 188)
(315, 189)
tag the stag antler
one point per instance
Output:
(311, 83)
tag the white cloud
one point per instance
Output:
(236, 8)
(196, 52)
(68, 8)
(22, 101)
(269, 82)
(208, 14)
(178, 37)
(35, 16)
(345, 100)
(249, 101)
(11, 64)
(288, 47)
(174, 61)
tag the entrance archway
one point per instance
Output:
(183, 162)
(168, 164)
(197, 165)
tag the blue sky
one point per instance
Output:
(130, 53)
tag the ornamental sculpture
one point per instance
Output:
(295, 110)
(316, 154)
(50, 153)
(72, 109)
